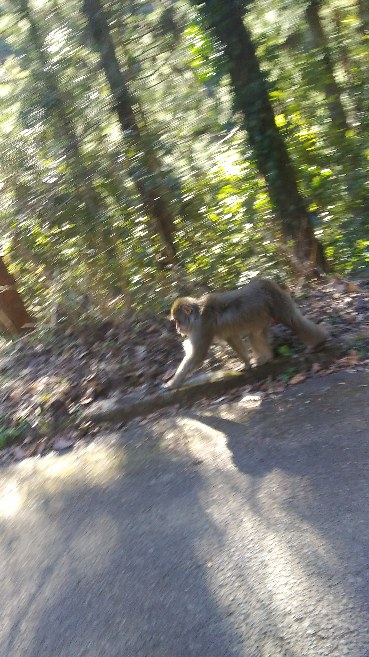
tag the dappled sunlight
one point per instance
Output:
(154, 151)
(301, 573)
(230, 162)
(215, 508)
(11, 499)
(289, 570)
(206, 443)
(286, 570)
(94, 465)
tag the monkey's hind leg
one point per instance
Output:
(260, 346)
(241, 349)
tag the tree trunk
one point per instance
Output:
(96, 233)
(250, 88)
(145, 167)
(353, 89)
(363, 7)
(332, 90)
(13, 313)
(67, 133)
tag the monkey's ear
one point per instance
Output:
(187, 308)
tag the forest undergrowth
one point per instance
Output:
(51, 376)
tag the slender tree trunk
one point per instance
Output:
(363, 7)
(332, 89)
(96, 233)
(145, 167)
(352, 87)
(250, 88)
(67, 134)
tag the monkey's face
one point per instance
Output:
(182, 314)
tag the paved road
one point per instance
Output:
(242, 530)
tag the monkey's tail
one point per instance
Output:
(286, 312)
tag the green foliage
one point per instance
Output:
(7, 435)
(10, 434)
(284, 350)
(287, 376)
(60, 141)
(202, 55)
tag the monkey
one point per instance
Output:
(250, 311)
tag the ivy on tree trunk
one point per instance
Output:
(270, 152)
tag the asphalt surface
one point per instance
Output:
(236, 530)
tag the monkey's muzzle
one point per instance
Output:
(180, 329)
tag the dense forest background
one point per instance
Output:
(147, 147)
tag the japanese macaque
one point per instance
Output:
(250, 310)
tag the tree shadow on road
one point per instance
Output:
(304, 465)
(118, 568)
(231, 542)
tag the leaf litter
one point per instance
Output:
(50, 376)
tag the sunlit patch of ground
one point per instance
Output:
(96, 465)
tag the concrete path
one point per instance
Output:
(242, 530)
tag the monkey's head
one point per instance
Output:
(184, 312)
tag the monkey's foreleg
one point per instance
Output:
(195, 355)
(241, 349)
(260, 346)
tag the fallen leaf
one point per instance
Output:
(352, 287)
(276, 386)
(352, 358)
(298, 378)
(328, 370)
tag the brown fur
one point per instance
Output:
(250, 310)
